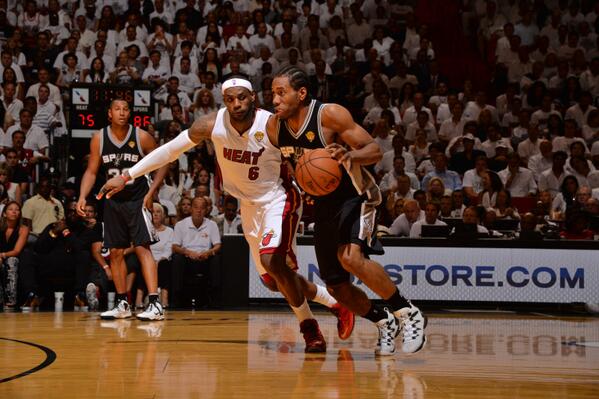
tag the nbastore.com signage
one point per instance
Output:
(474, 274)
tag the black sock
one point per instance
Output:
(397, 301)
(121, 297)
(375, 314)
(153, 298)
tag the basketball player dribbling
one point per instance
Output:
(345, 219)
(127, 216)
(271, 205)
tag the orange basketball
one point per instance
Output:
(317, 173)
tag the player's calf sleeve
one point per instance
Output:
(162, 155)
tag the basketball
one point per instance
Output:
(317, 173)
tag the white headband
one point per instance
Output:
(237, 82)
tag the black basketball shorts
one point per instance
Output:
(126, 223)
(349, 222)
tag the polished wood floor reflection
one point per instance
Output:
(259, 354)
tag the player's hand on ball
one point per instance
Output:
(111, 187)
(338, 152)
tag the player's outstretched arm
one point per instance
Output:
(166, 153)
(89, 177)
(364, 150)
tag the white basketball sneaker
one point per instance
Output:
(91, 292)
(412, 324)
(388, 330)
(153, 312)
(122, 310)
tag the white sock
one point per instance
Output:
(302, 312)
(323, 297)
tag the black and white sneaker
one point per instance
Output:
(412, 324)
(388, 330)
(122, 310)
(153, 312)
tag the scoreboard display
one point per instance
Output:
(90, 102)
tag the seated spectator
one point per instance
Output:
(457, 197)
(528, 228)
(196, 240)
(562, 143)
(400, 190)
(431, 213)
(8, 189)
(11, 104)
(203, 105)
(503, 206)
(386, 164)
(426, 165)
(582, 172)
(531, 145)
(578, 149)
(470, 217)
(389, 180)
(403, 223)
(435, 190)
(491, 184)
(229, 222)
(420, 148)
(577, 226)
(60, 260)
(42, 209)
(552, 178)
(446, 207)
(592, 207)
(451, 179)
(422, 122)
(382, 130)
(35, 138)
(518, 180)
(162, 252)
(97, 73)
(464, 152)
(396, 210)
(183, 208)
(13, 236)
(543, 160)
(69, 73)
(583, 194)
(565, 199)
(473, 179)
(18, 174)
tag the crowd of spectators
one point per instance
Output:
(517, 157)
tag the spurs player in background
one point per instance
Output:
(127, 215)
(345, 219)
(271, 204)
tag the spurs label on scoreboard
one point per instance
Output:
(89, 106)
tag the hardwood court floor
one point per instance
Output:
(259, 354)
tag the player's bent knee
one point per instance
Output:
(351, 261)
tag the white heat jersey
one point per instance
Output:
(249, 163)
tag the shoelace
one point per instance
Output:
(385, 333)
(410, 328)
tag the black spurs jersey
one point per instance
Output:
(356, 180)
(118, 157)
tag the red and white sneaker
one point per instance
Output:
(315, 342)
(345, 320)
